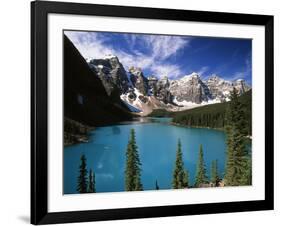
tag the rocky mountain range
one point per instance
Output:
(88, 100)
(143, 94)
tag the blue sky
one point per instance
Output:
(172, 56)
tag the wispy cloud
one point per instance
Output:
(164, 47)
(203, 70)
(238, 75)
(89, 44)
(156, 50)
(172, 71)
(246, 72)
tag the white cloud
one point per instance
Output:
(203, 70)
(160, 48)
(139, 60)
(165, 46)
(172, 71)
(238, 75)
(89, 44)
(246, 72)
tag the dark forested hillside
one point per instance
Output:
(160, 113)
(86, 103)
(214, 115)
(85, 98)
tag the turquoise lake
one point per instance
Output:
(157, 144)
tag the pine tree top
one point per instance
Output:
(178, 175)
(201, 177)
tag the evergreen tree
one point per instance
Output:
(201, 177)
(213, 115)
(247, 175)
(179, 174)
(156, 185)
(236, 131)
(214, 172)
(133, 164)
(186, 179)
(82, 178)
(92, 183)
(129, 171)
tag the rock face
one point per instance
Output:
(241, 86)
(142, 93)
(220, 89)
(138, 80)
(162, 90)
(85, 97)
(112, 74)
(152, 84)
(75, 132)
(190, 88)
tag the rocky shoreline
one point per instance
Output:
(75, 132)
(199, 127)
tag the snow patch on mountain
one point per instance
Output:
(144, 93)
(109, 56)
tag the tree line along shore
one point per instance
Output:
(210, 116)
(238, 166)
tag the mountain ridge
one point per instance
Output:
(146, 93)
(85, 98)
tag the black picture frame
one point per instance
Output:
(39, 112)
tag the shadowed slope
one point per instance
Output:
(85, 99)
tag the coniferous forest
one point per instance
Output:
(152, 120)
(215, 115)
(85, 182)
(234, 120)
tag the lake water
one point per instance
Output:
(157, 144)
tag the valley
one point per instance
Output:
(129, 130)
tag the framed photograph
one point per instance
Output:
(145, 112)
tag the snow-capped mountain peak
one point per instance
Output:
(147, 93)
(110, 56)
(189, 77)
